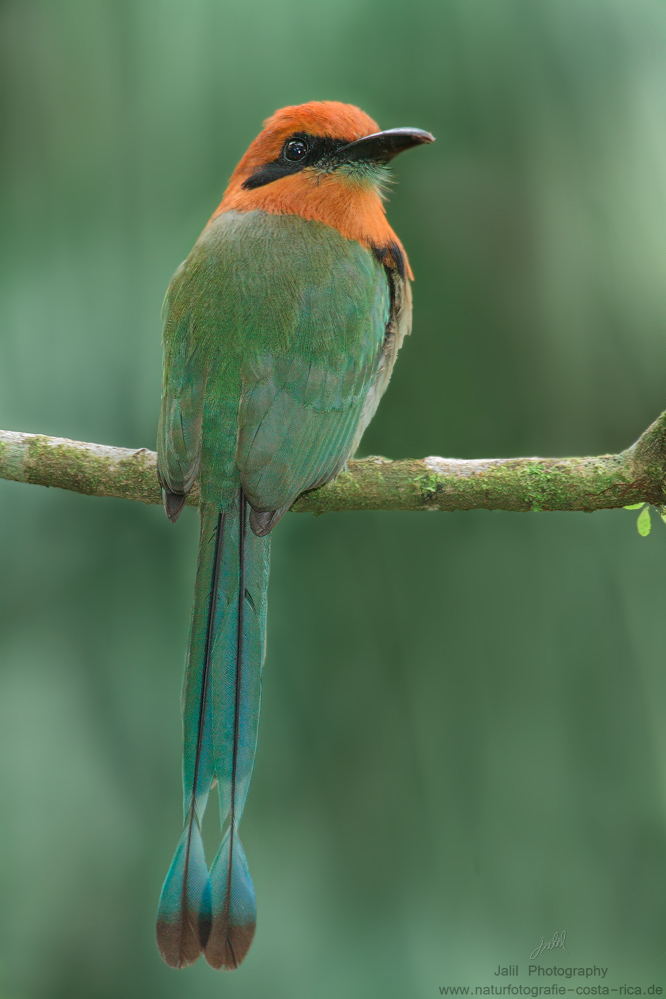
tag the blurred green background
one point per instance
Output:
(464, 729)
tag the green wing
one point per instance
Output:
(179, 429)
(297, 423)
(280, 336)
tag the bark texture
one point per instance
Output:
(518, 484)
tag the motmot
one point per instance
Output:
(281, 330)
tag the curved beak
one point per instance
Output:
(383, 146)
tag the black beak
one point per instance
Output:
(383, 146)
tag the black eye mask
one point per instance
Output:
(319, 150)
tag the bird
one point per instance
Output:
(281, 329)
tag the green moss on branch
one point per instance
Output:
(516, 484)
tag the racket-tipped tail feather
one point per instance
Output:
(184, 911)
(233, 906)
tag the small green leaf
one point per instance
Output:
(634, 506)
(644, 523)
(662, 514)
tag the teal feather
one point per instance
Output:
(279, 338)
(221, 703)
(234, 915)
(184, 911)
(183, 920)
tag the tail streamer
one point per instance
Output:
(216, 914)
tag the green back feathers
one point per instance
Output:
(273, 338)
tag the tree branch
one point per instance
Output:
(518, 484)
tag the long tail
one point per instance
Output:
(216, 913)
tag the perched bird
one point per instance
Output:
(281, 330)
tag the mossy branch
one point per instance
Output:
(517, 484)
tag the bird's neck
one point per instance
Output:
(354, 209)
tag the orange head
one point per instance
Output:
(326, 162)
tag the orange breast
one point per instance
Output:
(354, 209)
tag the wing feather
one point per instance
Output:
(280, 337)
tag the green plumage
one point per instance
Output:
(279, 339)
(273, 338)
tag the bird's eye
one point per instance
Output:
(295, 150)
